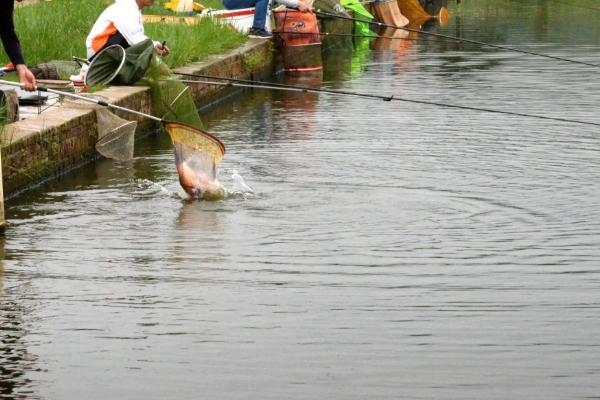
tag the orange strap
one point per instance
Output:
(99, 41)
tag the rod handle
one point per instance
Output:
(40, 88)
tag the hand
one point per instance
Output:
(305, 5)
(162, 50)
(26, 77)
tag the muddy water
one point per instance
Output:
(389, 250)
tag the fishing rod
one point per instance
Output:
(233, 82)
(177, 131)
(102, 103)
(570, 4)
(344, 35)
(456, 38)
(579, 6)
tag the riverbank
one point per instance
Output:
(43, 40)
(47, 143)
(61, 139)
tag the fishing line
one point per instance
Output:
(458, 39)
(307, 89)
(569, 4)
(344, 34)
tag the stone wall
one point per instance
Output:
(61, 139)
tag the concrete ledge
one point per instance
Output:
(61, 139)
(52, 143)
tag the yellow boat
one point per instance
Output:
(419, 11)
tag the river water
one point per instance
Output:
(390, 250)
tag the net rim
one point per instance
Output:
(117, 70)
(208, 135)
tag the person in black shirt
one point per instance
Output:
(10, 41)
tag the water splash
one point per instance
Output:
(239, 185)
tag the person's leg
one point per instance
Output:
(260, 16)
(117, 38)
(261, 8)
(236, 4)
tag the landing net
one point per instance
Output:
(116, 135)
(197, 152)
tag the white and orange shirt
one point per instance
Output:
(125, 17)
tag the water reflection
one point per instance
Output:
(337, 50)
(197, 217)
(110, 173)
(433, 7)
(361, 55)
(392, 250)
(299, 103)
(15, 358)
(392, 43)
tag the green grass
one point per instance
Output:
(158, 8)
(192, 43)
(56, 30)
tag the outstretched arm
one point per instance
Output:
(10, 41)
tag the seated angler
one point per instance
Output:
(261, 9)
(120, 23)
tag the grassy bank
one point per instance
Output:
(158, 9)
(57, 30)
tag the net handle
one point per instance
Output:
(89, 100)
(105, 104)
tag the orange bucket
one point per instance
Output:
(299, 39)
(297, 28)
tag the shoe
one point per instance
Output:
(259, 34)
(80, 77)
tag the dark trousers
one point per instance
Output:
(261, 8)
(117, 38)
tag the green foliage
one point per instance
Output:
(56, 30)
(159, 9)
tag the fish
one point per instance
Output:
(198, 184)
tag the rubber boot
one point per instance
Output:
(388, 12)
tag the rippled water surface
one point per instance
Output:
(390, 250)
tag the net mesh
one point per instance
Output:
(197, 152)
(105, 66)
(189, 137)
(170, 98)
(116, 136)
(197, 172)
